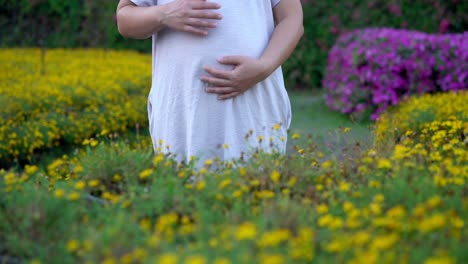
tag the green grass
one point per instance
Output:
(310, 116)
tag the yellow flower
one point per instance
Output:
(197, 259)
(265, 194)
(296, 136)
(292, 181)
(275, 176)
(322, 209)
(145, 224)
(203, 171)
(169, 258)
(335, 246)
(457, 222)
(222, 261)
(117, 178)
(30, 169)
(224, 183)
(242, 171)
(344, 186)
(440, 260)
(273, 238)
(374, 184)
(109, 260)
(384, 242)
(59, 193)
(384, 164)
(375, 208)
(396, 212)
(260, 139)
(80, 185)
(246, 231)
(347, 206)
(255, 183)
(78, 169)
(145, 174)
(379, 198)
(94, 143)
(432, 223)
(361, 238)
(208, 162)
(73, 196)
(201, 185)
(326, 164)
(72, 245)
(434, 201)
(276, 126)
(158, 158)
(213, 242)
(93, 183)
(271, 259)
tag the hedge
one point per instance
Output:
(89, 23)
(414, 115)
(371, 69)
(73, 95)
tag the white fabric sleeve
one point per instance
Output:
(274, 2)
(145, 2)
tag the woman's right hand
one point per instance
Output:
(192, 16)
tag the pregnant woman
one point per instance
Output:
(217, 87)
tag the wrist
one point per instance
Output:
(162, 15)
(268, 67)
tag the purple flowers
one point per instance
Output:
(369, 70)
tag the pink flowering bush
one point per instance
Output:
(369, 70)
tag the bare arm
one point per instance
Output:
(192, 16)
(249, 71)
(138, 22)
(288, 32)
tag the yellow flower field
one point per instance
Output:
(68, 96)
(403, 201)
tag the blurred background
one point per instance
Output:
(90, 23)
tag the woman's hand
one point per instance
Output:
(247, 73)
(192, 16)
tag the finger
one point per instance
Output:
(200, 23)
(218, 73)
(215, 81)
(228, 96)
(221, 90)
(205, 14)
(205, 5)
(231, 60)
(194, 30)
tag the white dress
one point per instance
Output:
(185, 119)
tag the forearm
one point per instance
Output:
(140, 22)
(285, 38)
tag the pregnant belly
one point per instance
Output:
(175, 46)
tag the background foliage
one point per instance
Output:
(74, 23)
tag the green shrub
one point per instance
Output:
(274, 209)
(91, 23)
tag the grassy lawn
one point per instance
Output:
(312, 117)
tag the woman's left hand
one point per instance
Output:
(247, 73)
